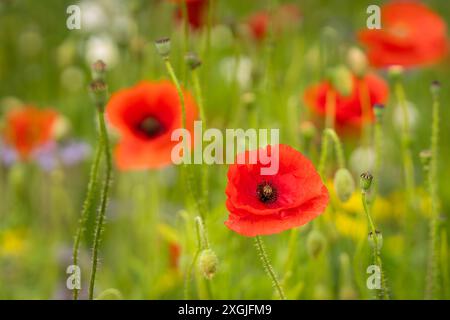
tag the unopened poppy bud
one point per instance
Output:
(342, 80)
(193, 60)
(207, 263)
(435, 87)
(378, 110)
(395, 71)
(98, 70)
(99, 93)
(315, 243)
(377, 241)
(163, 47)
(344, 184)
(365, 181)
(308, 130)
(357, 61)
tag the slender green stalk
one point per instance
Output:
(268, 267)
(103, 200)
(433, 265)
(378, 136)
(382, 293)
(200, 101)
(330, 134)
(92, 184)
(408, 166)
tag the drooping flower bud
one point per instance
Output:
(365, 181)
(308, 130)
(315, 243)
(377, 241)
(357, 61)
(344, 184)
(163, 47)
(207, 263)
(342, 80)
(192, 60)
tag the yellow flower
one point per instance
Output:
(12, 243)
(350, 226)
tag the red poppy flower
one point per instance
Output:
(411, 35)
(196, 12)
(28, 128)
(284, 16)
(258, 23)
(174, 255)
(352, 110)
(268, 204)
(145, 116)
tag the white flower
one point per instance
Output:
(242, 72)
(102, 47)
(93, 16)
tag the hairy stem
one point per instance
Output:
(103, 201)
(92, 184)
(382, 293)
(268, 267)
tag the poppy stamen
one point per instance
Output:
(266, 192)
(150, 127)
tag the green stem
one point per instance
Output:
(103, 201)
(408, 166)
(432, 272)
(92, 184)
(267, 266)
(378, 154)
(190, 178)
(330, 133)
(200, 101)
(382, 292)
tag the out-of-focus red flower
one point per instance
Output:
(268, 204)
(258, 24)
(284, 17)
(174, 255)
(145, 116)
(28, 127)
(196, 11)
(352, 110)
(411, 35)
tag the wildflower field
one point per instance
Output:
(212, 149)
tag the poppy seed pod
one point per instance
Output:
(378, 110)
(315, 243)
(207, 263)
(365, 181)
(344, 184)
(192, 60)
(99, 93)
(98, 70)
(163, 47)
(435, 87)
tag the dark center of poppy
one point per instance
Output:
(266, 192)
(150, 127)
